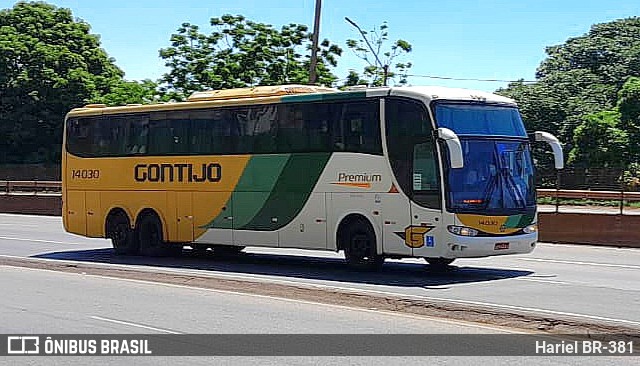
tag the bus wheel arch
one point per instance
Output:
(357, 237)
(117, 227)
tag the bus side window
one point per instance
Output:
(80, 136)
(317, 117)
(138, 135)
(358, 128)
(290, 134)
(412, 151)
(257, 129)
(169, 133)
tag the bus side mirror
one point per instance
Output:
(555, 146)
(454, 146)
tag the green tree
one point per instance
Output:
(599, 142)
(611, 138)
(629, 108)
(241, 53)
(629, 103)
(131, 92)
(49, 63)
(372, 47)
(580, 78)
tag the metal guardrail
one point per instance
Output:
(30, 186)
(589, 195)
(56, 186)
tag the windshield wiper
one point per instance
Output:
(493, 182)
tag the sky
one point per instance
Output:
(464, 39)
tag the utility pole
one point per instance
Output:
(314, 46)
(385, 68)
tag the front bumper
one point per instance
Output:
(476, 247)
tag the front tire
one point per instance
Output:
(440, 263)
(122, 236)
(360, 250)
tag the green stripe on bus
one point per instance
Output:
(291, 192)
(252, 191)
(518, 221)
(526, 220)
(255, 186)
(313, 97)
(512, 221)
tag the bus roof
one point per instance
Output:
(431, 93)
(256, 92)
(275, 94)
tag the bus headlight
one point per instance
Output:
(462, 230)
(533, 228)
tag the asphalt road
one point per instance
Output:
(40, 302)
(591, 283)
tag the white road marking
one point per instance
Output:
(13, 224)
(527, 279)
(595, 264)
(40, 241)
(543, 281)
(134, 325)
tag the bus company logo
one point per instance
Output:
(182, 172)
(363, 180)
(414, 236)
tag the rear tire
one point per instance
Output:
(200, 250)
(152, 244)
(226, 250)
(360, 249)
(123, 239)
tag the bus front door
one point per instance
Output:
(396, 219)
(426, 225)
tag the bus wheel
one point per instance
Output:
(152, 243)
(199, 249)
(226, 250)
(439, 263)
(122, 237)
(360, 247)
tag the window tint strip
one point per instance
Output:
(335, 126)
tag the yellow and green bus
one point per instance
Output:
(378, 173)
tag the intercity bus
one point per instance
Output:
(392, 172)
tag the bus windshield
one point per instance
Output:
(480, 119)
(497, 177)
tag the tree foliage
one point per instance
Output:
(241, 53)
(599, 141)
(131, 92)
(49, 63)
(580, 79)
(372, 47)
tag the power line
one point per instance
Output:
(458, 79)
(470, 79)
